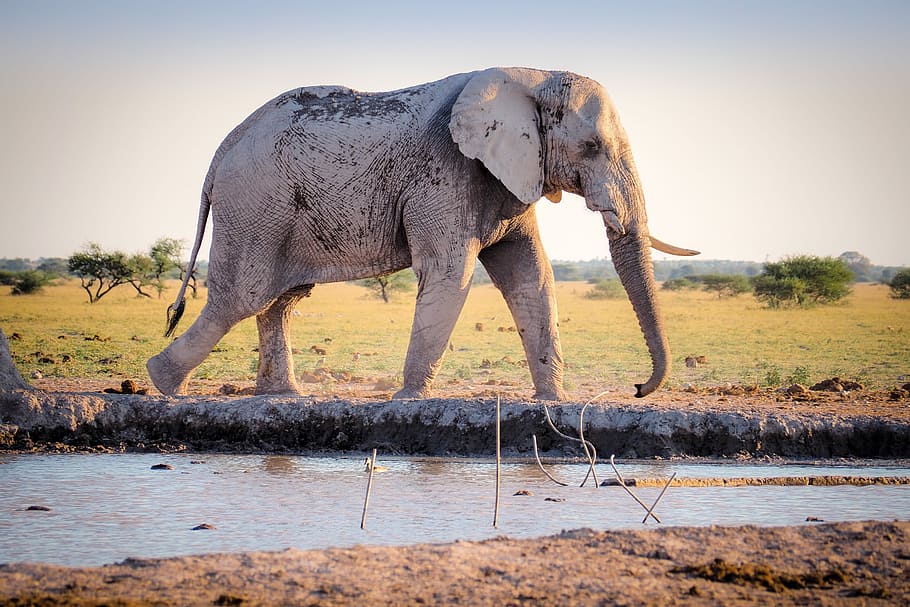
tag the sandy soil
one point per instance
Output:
(838, 564)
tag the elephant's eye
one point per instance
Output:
(591, 148)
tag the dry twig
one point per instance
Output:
(659, 495)
(622, 483)
(366, 499)
(540, 464)
(498, 466)
(586, 444)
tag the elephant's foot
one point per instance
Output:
(557, 394)
(285, 388)
(166, 376)
(410, 392)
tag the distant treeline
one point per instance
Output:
(591, 270)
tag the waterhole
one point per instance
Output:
(97, 509)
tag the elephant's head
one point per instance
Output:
(541, 133)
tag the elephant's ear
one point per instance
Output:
(495, 120)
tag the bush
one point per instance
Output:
(803, 280)
(900, 285)
(729, 285)
(606, 288)
(678, 284)
(29, 281)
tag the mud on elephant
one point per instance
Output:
(326, 184)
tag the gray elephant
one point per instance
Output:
(326, 184)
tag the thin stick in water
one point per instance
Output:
(366, 499)
(622, 483)
(498, 465)
(659, 495)
(581, 435)
(540, 464)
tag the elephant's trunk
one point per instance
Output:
(632, 259)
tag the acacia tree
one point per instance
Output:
(725, 285)
(803, 280)
(99, 271)
(165, 255)
(384, 286)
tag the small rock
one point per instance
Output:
(522, 492)
(203, 527)
(162, 467)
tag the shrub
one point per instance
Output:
(606, 288)
(729, 285)
(678, 284)
(803, 280)
(29, 281)
(900, 285)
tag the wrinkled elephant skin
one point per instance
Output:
(326, 184)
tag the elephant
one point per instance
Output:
(326, 183)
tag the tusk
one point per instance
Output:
(670, 249)
(555, 196)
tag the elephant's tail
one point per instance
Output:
(175, 311)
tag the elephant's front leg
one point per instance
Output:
(276, 366)
(441, 294)
(520, 270)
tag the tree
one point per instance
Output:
(729, 285)
(165, 255)
(859, 264)
(99, 271)
(384, 286)
(141, 272)
(803, 280)
(900, 285)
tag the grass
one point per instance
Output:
(866, 338)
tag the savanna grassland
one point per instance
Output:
(59, 335)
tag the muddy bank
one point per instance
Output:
(32, 419)
(830, 564)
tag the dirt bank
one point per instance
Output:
(837, 564)
(670, 424)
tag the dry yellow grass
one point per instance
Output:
(867, 338)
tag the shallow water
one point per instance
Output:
(105, 508)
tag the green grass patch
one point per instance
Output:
(865, 338)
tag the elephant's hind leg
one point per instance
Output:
(276, 366)
(170, 369)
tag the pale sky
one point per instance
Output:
(760, 129)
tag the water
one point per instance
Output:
(105, 508)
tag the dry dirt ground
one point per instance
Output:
(837, 564)
(892, 404)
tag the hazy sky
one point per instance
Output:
(760, 129)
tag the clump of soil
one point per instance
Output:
(127, 386)
(762, 575)
(836, 384)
